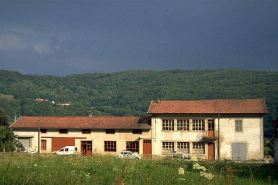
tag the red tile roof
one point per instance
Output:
(82, 122)
(253, 106)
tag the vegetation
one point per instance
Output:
(102, 169)
(129, 93)
(8, 140)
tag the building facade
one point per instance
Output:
(208, 129)
(106, 135)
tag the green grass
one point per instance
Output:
(103, 169)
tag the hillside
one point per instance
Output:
(129, 93)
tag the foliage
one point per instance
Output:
(269, 147)
(129, 93)
(7, 138)
(106, 169)
(3, 118)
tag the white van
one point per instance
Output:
(67, 150)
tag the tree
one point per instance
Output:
(3, 118)
(7, 138)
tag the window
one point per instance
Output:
(43, 130)
(86, 131)
(182, 124)
(110, 146)
(63, 131)
(167, 147)
(25, 142)
(132, 146)
(238, 125)
(137, 131)
(43, 144)
(110, 131)
(167, 124)
(183, 147)
(198, 148)
(198, 124)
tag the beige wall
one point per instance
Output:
(252, 134)
(97, 137)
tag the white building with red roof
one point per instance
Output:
(208, 129)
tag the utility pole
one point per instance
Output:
(218, 137)
(39, 130)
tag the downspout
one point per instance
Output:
(39, 130)
(154, 127)
(218, 137)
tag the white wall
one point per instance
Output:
(97, 137)
(251, 133)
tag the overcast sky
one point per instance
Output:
(72, 37)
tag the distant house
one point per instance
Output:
(275, 125)
(39, 99)
(66, 104)
(208, 129)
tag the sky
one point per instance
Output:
(65, 37)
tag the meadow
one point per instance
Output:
(106, 169)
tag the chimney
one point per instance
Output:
(90, 114)
(158, 100)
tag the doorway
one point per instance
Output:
(210, 128)
(86, 148)
(211, 151)
(147, 148)
(239, 151)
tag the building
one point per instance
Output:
(91, 134)
(209, 129)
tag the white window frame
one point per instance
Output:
(168, 124)
(238, 126)
(198, 148)
(183, 147)
(167, 147)
(198, 124)
(182, 124)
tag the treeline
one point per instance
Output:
(129, 93)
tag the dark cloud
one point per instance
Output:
(68, 37)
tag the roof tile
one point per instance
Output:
(256, 106)
(82, 122)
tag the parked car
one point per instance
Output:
(67, 150)
(129, 155)
(180, 154)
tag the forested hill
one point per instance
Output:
(129, 93)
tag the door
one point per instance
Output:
(86, 148)
(210, 128)
(60, 142)
(239, 151)
(211, 150)
(147, 148)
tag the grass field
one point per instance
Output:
(103, 169)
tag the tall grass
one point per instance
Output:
(104, 169)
